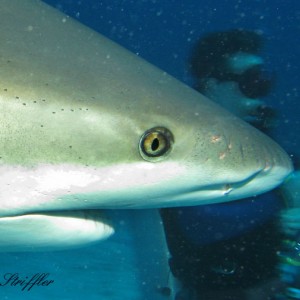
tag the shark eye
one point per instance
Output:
(155, 143)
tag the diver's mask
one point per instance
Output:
(254, 83)
(247, 70)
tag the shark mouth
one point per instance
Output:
(49, 230)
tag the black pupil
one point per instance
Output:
(155, 144)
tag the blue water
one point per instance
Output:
(163, 32)
(131, 265)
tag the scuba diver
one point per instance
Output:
(231, 250)
(229, 71)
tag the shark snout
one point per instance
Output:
(270, 168)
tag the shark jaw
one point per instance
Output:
(58, 212)
(140, 185)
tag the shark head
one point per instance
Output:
(87, 125)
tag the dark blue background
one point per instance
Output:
(163, 32)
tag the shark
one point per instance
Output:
(87, 126)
